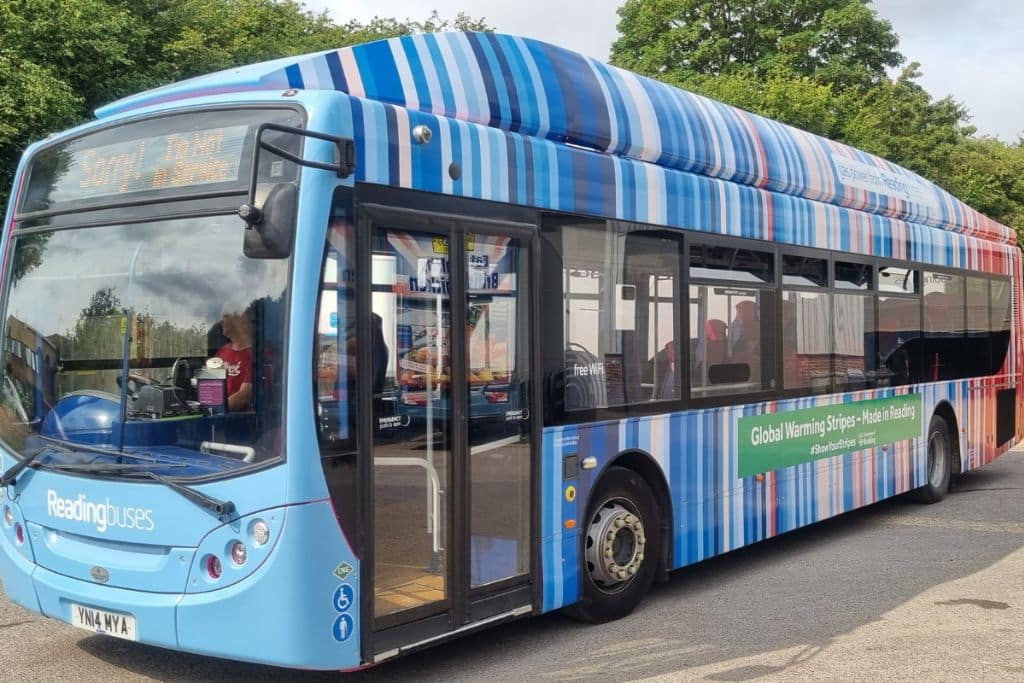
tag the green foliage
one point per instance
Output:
(821, 65)
(837, 42)
(60, 59)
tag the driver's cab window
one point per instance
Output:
(171, 316)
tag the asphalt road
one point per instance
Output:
(897, 590)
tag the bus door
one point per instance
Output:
(449, 487)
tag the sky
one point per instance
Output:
(970, 49)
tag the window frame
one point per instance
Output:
(775, 305)
(555, 415)
(553, 322)
(829, 289)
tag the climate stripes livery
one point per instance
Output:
(532, 124)
(535, 90)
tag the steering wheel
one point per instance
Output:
(137, 381)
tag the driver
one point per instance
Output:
(237, 356)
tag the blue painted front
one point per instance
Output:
(277, 608)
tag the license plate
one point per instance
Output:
(102, 621)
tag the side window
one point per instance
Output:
(999, 322)
(855, 355)
(896, 280)
(944, 338)
(899, 327)
(978, 351)
(620, 316)
(732, 304)
(807, 338)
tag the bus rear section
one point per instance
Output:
(145, 489)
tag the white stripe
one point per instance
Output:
(430, 73)
(458, 93)
(404, 143)
(351, 70)
(412, 98)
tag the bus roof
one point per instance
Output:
(532, 88)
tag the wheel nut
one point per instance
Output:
(619, 523)
(610, 536)
(621, 574)
(639, 558)
(632, 570)
(636, 526)
(641, 539)
(608, 553)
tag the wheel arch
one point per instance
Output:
(646, 466)
(944, 409)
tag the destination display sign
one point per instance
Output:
(179, 154)
(160, 162)
(776, 440)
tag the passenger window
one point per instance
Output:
(899, 340)
(730, 263)
(856, 358)
(944, 339)
(807, 344)
(620, 316)
(999, 323)
(731, 330)
(806, 327)
(897, 280)
(978, 351)
(857, 276)
(802, 271)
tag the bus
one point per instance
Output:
(319, 361)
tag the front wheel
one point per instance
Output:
(621, 547)
(940, 450)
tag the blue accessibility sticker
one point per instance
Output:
(344, 597)
(343, 628)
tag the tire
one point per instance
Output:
(621, 505)
(940, 462)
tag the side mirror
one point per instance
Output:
(272, 235)
(270, 229)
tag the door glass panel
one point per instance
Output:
(498, 383)
(412, 431)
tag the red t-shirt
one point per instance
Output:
(239, 366)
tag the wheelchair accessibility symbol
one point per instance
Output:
(343, 628)
(343, 598)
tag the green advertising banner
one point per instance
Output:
(776, 440)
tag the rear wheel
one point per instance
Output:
(621, 547)
(940, 460)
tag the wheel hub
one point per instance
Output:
(615, 545)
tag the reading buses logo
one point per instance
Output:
(102, 515)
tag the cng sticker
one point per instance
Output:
(343, 628)
(343, 570)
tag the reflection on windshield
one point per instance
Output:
(173, 312)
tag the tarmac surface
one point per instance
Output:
(896, 591)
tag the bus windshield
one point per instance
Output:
(158, 336)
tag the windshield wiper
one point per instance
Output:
(223, 509)
(86, 448)
(11, 475)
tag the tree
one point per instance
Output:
(821, 65)
(841, 43)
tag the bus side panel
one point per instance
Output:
(714, 509)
